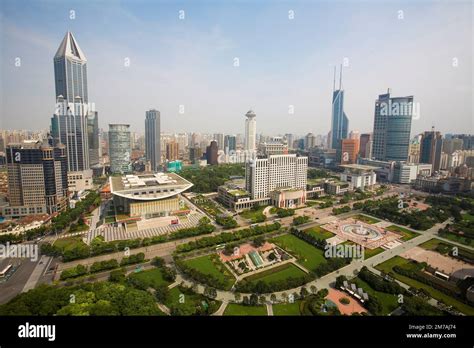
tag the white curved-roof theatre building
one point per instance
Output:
(147, 195)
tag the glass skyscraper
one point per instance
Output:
(70, 71)
(153, 139)
(339, 121)
(120, 148)
(392, 126)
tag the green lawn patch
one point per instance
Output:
(368, 253)
(445, 248)
(152, 277)
(458, 239)
(187, 302)
(468, 217)
(69, 243)
(211, 265)
(307, 255)
(287, 308)
(255, 215)
(277, 273)
(238, 309)
(389, 301)
(438, 295)
(366, 219)
(319, 232)
(406, 233)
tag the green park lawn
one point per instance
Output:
(277, 273)
(368, 253)
(366, 219)
(287, 308)
(251, 214)
(406, 233)
(468, 217)
(206, 265)
(458, 239)
(388, 301)
(319, 232)
(446, 247)
(438, 295)
(238, 309)
(178, 298)
(69, 243)
(307, 255)
(152, 277)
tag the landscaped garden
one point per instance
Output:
(405, 232)
(368, 253)
(366, 219)
(287, 308)
(452, 250)
(255, 214)
(319, 232)
(243, 310)
(307, 255)
(388, 301)
(183, 301)
(390, 266)
(276, 274)
(153, 278)
(212, 266)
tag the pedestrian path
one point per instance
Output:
(269, 309)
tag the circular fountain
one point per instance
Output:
(361, 230)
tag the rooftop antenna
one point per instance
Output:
(340, 78)
(334, 80)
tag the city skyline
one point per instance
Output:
(308, 77)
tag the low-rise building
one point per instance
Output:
(359, 176)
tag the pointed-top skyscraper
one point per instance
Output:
(69, 122)
(70, 71)
(339, 121)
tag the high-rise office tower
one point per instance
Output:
(152, 139)
(365, 147)
(392, 126)
(37, 179)
(309, 141)
(70, 71)
(69, 124)
(230, 143)
(172, 151)
(289, 140)
(212, 153)
(349, 150)
(120, 148)
(451, 145)
(93, 138)
(195, 154)
(219, 137)
(250, 133)
(339, 121)
(430, 148)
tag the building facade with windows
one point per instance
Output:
(37, 179)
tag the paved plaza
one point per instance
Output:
(120, 233)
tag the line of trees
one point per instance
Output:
(81, 270)
(227, 237)
(99, 247)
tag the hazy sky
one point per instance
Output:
(410, 46)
